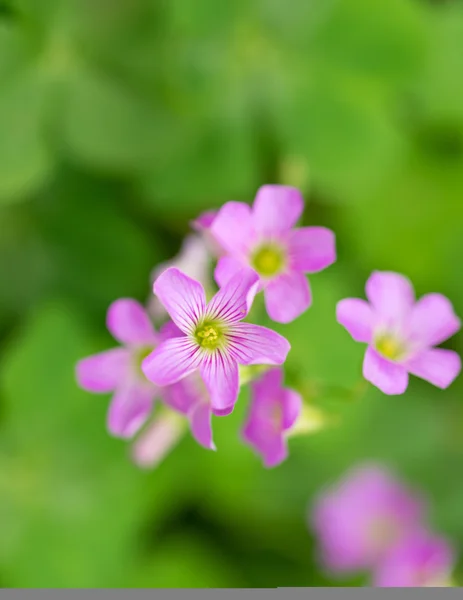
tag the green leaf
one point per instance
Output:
(25, 161)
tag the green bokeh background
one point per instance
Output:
(120, 120)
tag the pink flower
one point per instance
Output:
(202, 225)
(263, 238)
(194, 260)
(186, 400)
(119, 370)
(274, 410)
(421, 560)
(401, 333)
(213, 339)
(359, 520)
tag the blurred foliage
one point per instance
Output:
(121, 120)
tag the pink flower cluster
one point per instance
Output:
(192, 364)
(370, 522)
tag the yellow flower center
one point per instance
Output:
(139, 356)
(268, 260)
(209, 335)
(389, 346)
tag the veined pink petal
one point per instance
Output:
(312, 249)
(391, 295)
(232, 227)
(227, 267)
(438, 366)
(220, 374)
(129, 409)
(152, 445)
(103, 372)
(287, 297)
(277, 208)
(201, 427)
(292, 404)
(129, 323)
(357, 317)
(171, 361)
(183, 298)
(169, 330)
(234, 300)
(433, 320)
(389, 377)
(257, 345)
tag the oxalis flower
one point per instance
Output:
(213, 340)
(401, 333)
(263, 238)
(360, 519)
(119, 370)
(274, 411)
(421, 560)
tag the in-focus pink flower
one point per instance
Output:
(401, 333)
(421, 560)
(263, 238)
(213, 338)
(119, 370)
(274, 411)
(361, 518)
(194, 260)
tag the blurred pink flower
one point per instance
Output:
(274, 410)
(213, 340)
(119, 370)
(193, 259)
(401, 333)
(202, 225)
(362, 517)
(421, 560)
(263, 238)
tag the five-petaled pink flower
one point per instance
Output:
(401, 333)
(263, 238)
(274, 411)
(358, 520)
(119, 370)
(420, 560)
(214, 340)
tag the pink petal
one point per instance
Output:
(227, 267)
(171, 361)
(257, 345)
(234, 300)
(220, 374)
(232, 227)
(389, 377)
(357, 317)
(391, 295)
(183, 298)
(312, 249)
(152, 445)
(129, 323)
(277, 208)
(287, 297)
(129, 409)
(438, 366)
(201, 427)
(103, 372)
(433, 320)
(204, 221)
(292, 405)
(269, 444)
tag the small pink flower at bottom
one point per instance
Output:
(213, 340)
(274, 411)
(421, 560)
(119, 370)
(401, 333)
(361, 518)
(263, 237)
